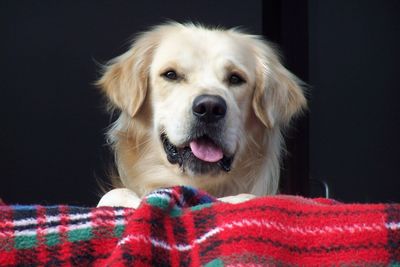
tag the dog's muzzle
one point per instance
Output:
(184, 155)
(203, 152)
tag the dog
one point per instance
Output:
(199, 106)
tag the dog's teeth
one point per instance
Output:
(225, 163)
(224, 166)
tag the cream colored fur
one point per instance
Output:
(258, 110)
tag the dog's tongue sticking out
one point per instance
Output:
(206, 150)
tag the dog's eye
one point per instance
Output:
(235, 79)
(170, 75)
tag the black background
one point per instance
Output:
(52, 147)
(355, 109)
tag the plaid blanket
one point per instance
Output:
(181, 226)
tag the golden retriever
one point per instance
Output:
(199, 106)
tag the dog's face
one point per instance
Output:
(201, 97)
(204, 95)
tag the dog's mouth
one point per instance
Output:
(200, 155)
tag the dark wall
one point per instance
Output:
(355, 111)
(53, 122)
(285, 22)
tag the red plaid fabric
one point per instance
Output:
(181, 226)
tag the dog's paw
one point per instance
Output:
(120, 197)
(237, 199)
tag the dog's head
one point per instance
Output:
(206, 90)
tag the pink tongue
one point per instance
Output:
(206, 150)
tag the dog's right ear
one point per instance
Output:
(125, 78)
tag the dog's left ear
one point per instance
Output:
(278, 95)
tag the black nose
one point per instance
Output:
(209, 108)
